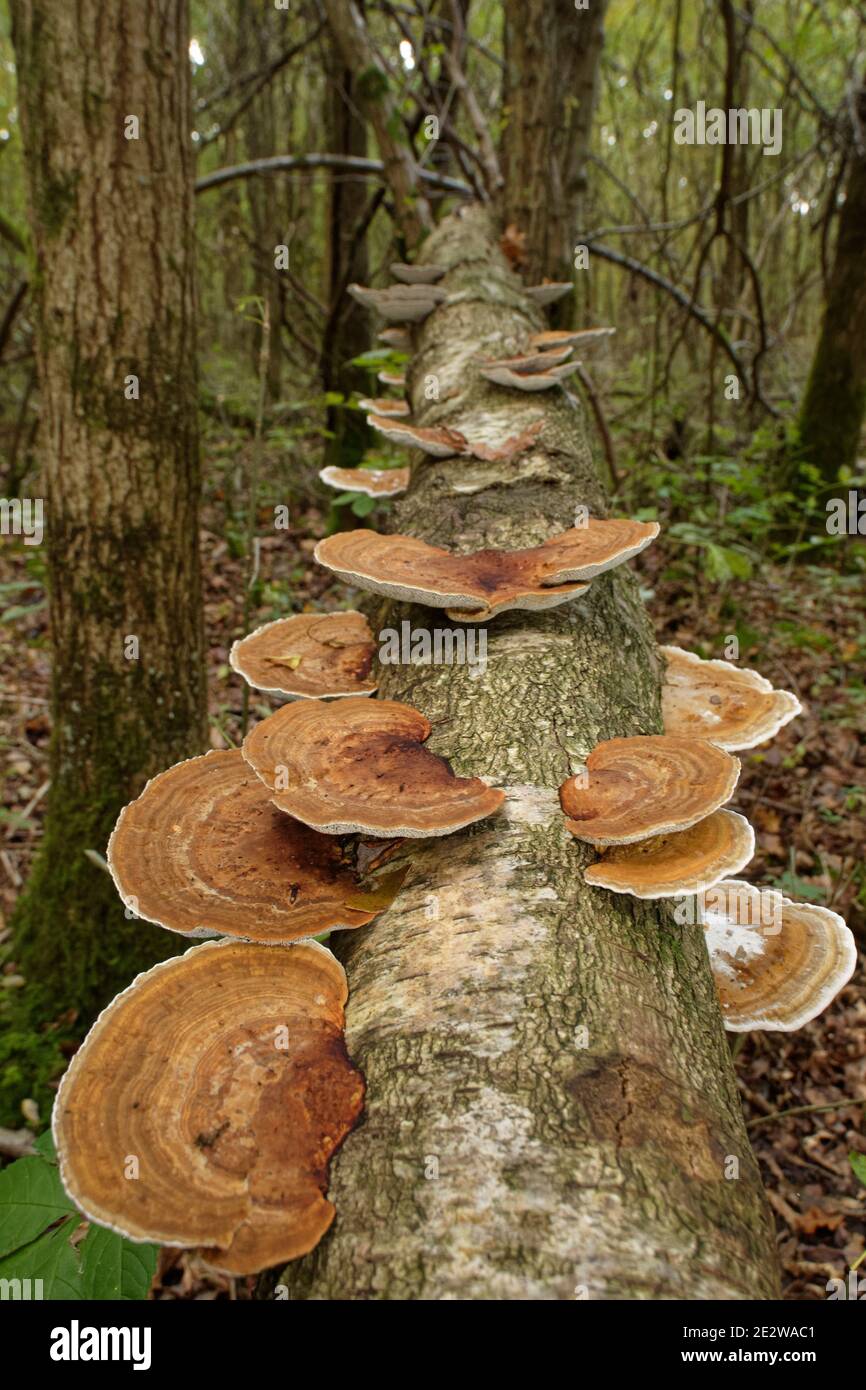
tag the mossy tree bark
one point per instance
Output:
(551, 1105)
(831, 415)
(113, 231)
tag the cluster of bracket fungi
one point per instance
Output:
(204, 1105)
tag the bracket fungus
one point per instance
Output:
(652, 784)
(439, 442)
(566, 337)
(223, 1075)
(477, 586)
(361, 766)
(549, 292)
(400, 303)
(321, 656)
(532, 361)
(777, 964)
(384, 405)
(530, 381)
(395, 379)
(373, 482)
(685, 861)
(203, 851)
(417, 274)
(732, 706)
(395, 337)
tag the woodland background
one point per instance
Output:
(708, 261)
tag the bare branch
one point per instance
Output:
(342, 163)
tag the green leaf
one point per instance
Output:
(22, 610)
(31, 1199)
(50, 1258)
(114, 1268)
(380, 357)
(858, 1163)
(363, 505)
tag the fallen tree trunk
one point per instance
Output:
(551, 1107)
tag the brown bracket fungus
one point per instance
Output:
(532, 361)
(395, 379)
(440, 443)
(400, 303)
(204, 1105)
(417, 274)
(732, 706)
(648, 785)
(373, 482)
(530, 381)
(476, 587)
(319, 656)
(204, 851)
(395, 337)
(549, 292)
(686, 861)
(777, 964)
(384, 405)
(565, 337)
(361, 766)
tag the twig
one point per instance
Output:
(803, 1110)
(607, 442)
(345, 163)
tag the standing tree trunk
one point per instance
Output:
(105, 109)
(552, 55)
(831, 416)
(347, 330)
(255, 20)
(379, 103)
(551, 1106)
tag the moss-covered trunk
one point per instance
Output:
(834, 404)
(104, 98)
(551, 1106)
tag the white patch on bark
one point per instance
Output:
(459, 948)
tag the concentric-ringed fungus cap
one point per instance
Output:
(373, 482)
(385, 405)
(362, 766)
(731, 706)
(204, 851)
(532, 361)
(320, 656)
(562, 337)
(489, 581)
(683, 862)
(395, 379)
(777, 964)
(648, 785)
(549, 292)
(440, 442)
(223, 1074)
(417, 274)
(530, 381)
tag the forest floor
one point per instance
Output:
(803, 1093)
